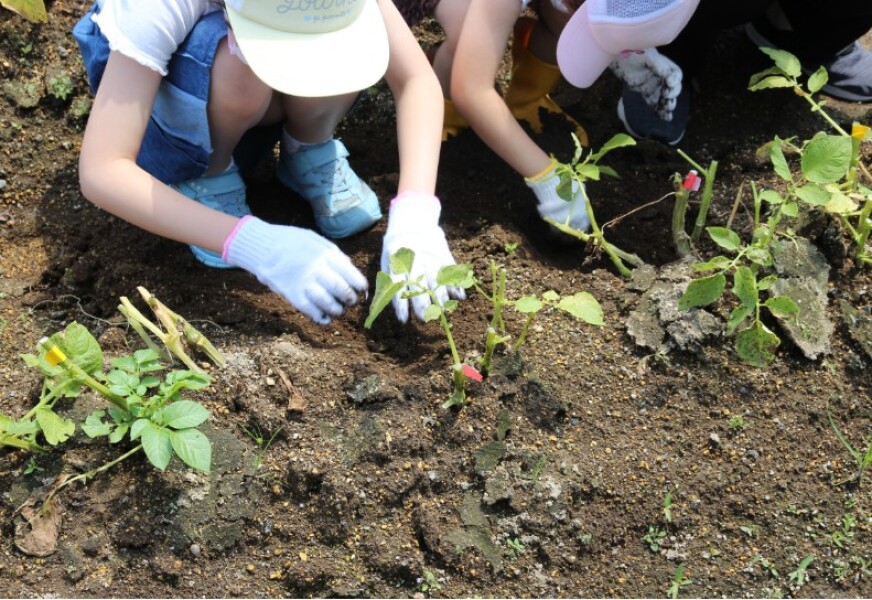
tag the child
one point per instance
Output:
(178, 85)
(476, 35)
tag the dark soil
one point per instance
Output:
(570, 450)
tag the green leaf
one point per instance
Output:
(55, 428)
(759, 256)
(771, 197)
(817, 80)
(779, 162)
(785, 61)
(21, 427)
(756, 345)
(756, 77)
(584, 306)
(745, 287)
(80, 347)
(564, 187)
(137, 428)
(125, 363)
(782, 307)
(528, 304)
(725, 238)
(718, 262)
(32, 10)
(790, 209)
(118, 434)
(94, 425)
(767, 282)
(774, 81)
(813, 194)
(400, 262)
(737, 317)
(187, 380)
(840, 204)
(456, 276)
(432, 312)
(588, 171)
(826, 158)
(193, 448)
(702, 292)
(551, 296)
(184, 414)
(385, 289)
(605, 170)
(619, 140)
(157, 445)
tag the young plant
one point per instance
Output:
(830, 166)
(750, 272)
(386, 287)
(862, 459)
(262, 444)
(654, 537)
(429, 582)
(667, 507)
(516, 548)
(581, 169)
(800, 575)
(678, 581)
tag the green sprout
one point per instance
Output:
(678, 581)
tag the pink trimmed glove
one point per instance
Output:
(552, 206)
(413, 223)
(306, 269)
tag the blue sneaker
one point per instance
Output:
(225, 193)
(343, 204)
(642, 122)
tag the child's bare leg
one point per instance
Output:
(450, 14)
(238, 101)
(312, 120)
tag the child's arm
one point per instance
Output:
(413, 219)
(110, 177)
(418, 98)
(480, 48)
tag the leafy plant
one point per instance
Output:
(678, 581)
(516, 548)
(60, 87)
(429, 583)
(581, 169)
(830, 168)
(800, 575)
(580, 305)
(767, 566)
(262, 444)
(144, 406)
(737, 423)
(654, 537)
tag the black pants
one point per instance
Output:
(820, 28)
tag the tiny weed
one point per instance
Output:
(60, 87)
(32, 467)
(750, 530)
(654, 537)
(862, 459)
(510, 248)
(800, 575)
(429, 582)
(678, 581)
(262, 444)
(738, 423)
(844, 535)
(767, 566)
(667, 507)
(516, 548)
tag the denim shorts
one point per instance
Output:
(177, 145)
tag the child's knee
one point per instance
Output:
(235, 89)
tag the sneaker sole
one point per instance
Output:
(623, 117)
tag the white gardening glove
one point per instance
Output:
(413, 223)
(310, 271)
(652, 75)
(552, 206)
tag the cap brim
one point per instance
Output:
(316, 64)
(579, 56)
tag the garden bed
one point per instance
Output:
(587, 466)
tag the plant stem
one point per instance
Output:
(705, 201)
(90, 474)
(679, 234)
(82, 377)
(815, 107)
(523, 336)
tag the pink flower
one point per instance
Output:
(471, 372)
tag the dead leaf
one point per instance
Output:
(37, 533)
(296, 402)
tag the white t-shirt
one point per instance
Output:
(150, 31)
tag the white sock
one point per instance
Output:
(291, 145)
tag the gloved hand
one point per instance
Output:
(552, 206)
(652, 75)
(310, 271)
(413, 223)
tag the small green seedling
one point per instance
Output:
(767, 566)
(667, 507)
(800, 575)
(678, 581)
(516, 548)
(32, 467)
(862, 459)
(738, 423)
(845, 534)
(581, 169)
(510, 248)
(429, 582)
(60, 87)
(654, 537)
(750, 530)
(262, 444)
